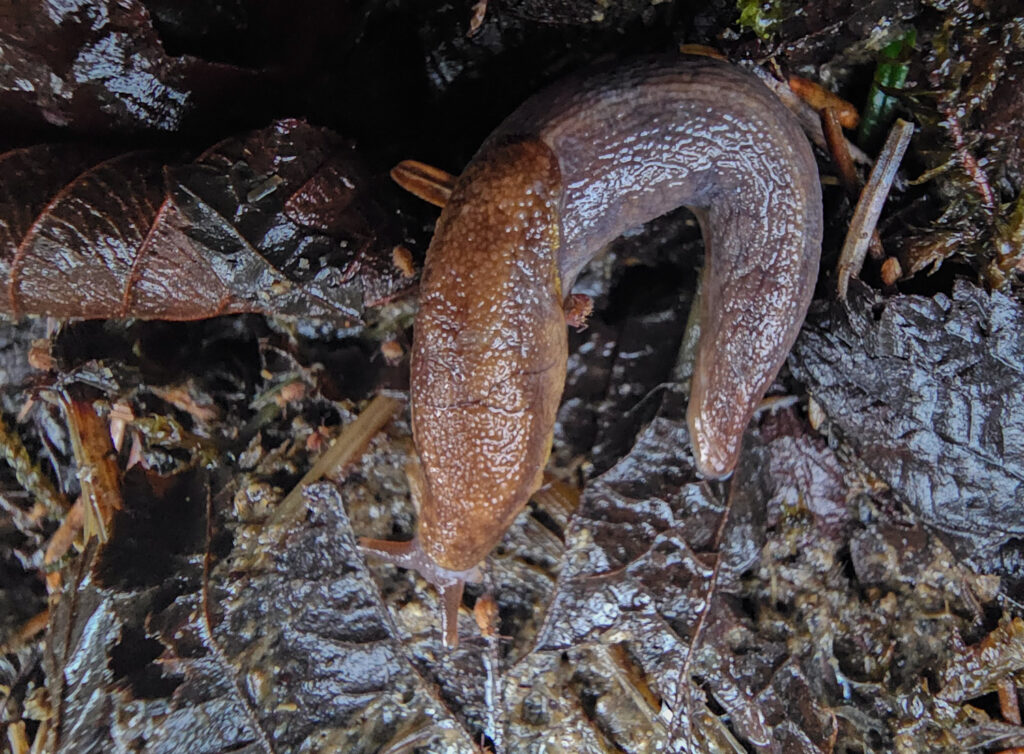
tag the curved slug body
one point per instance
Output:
(638, 141)
(569, 171)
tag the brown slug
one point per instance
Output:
(575, 166)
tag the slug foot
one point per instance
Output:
(449, 584)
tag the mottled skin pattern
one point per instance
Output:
(489, 358)
(636, 141)
(569, 171)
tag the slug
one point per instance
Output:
(574, 167)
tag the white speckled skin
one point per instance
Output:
(570, 170)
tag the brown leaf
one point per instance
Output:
(76, 258)
(278, 221)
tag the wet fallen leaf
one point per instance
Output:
(102, 66)
(277, 221)
(925, 391)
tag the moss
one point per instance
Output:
(763, 18)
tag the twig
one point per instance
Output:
(98, 473)
(840, 152)
(631, 679)
(348, 447)
(409, 740)
(822, 99)
(805, 114)
(27, 631)
(837, 148)
(16, 737)
(1009, 705)
(872, 199)
(970, 165)
(61, 542)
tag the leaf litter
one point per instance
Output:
(853, 588)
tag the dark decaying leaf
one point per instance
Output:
(101, 65)
(78, 253)
(278, 221)
(31, 177)
(927, 392)
(657, 558)
(285, 646)
(304, 630)
(735, 599)
(97, 650)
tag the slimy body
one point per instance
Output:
(574, 167)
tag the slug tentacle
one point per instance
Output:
(449, 584)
